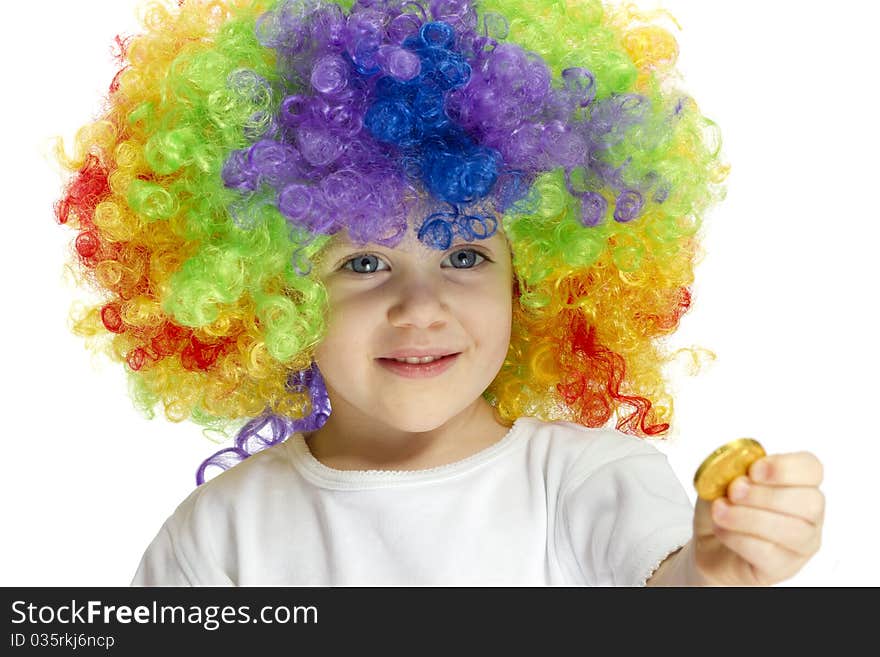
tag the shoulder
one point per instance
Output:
(233, 491)
(577, 451)
(203, 531)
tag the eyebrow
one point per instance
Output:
(348, 245)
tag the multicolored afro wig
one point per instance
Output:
(239, 135)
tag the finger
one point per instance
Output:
(794, 534)
(803, 502)
(770, 563)
(795, 469)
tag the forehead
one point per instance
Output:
(342, 241)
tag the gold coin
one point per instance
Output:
(724, 465)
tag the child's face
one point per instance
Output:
(458, 300)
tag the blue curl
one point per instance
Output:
(394, 122)
(428, 105)
(461, 177)
(412, 116)
(466, 223)
(437, 35)
(439, 228)
(436, 231)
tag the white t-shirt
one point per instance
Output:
(549, 504)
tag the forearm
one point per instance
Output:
(679, 569)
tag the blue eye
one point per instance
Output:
(366, 260)
(467, 257)
(367, 263)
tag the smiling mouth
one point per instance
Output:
(418, 360)
(419, 370)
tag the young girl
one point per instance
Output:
(419, 254)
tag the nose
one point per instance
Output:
(419, 303)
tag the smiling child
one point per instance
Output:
(418, 255)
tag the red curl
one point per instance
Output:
(596, 380)
(114, 84)
(170, 340)
(89, 188)
(681, 303)
(112, 318)
(87, 244)
(198, 355)
(62, 211)
(136, 358)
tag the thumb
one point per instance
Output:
(712, 559)
(703, 518)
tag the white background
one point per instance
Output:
(785, 296)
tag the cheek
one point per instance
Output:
(349, 323)
(489, 319)
(504, 319)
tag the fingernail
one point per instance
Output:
(739, 490)
(761, 471)
(720, 509)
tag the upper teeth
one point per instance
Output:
(426, 359)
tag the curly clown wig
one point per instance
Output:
(239, 135)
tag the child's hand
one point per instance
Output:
(768, 526)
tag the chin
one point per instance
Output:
(417, 421)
